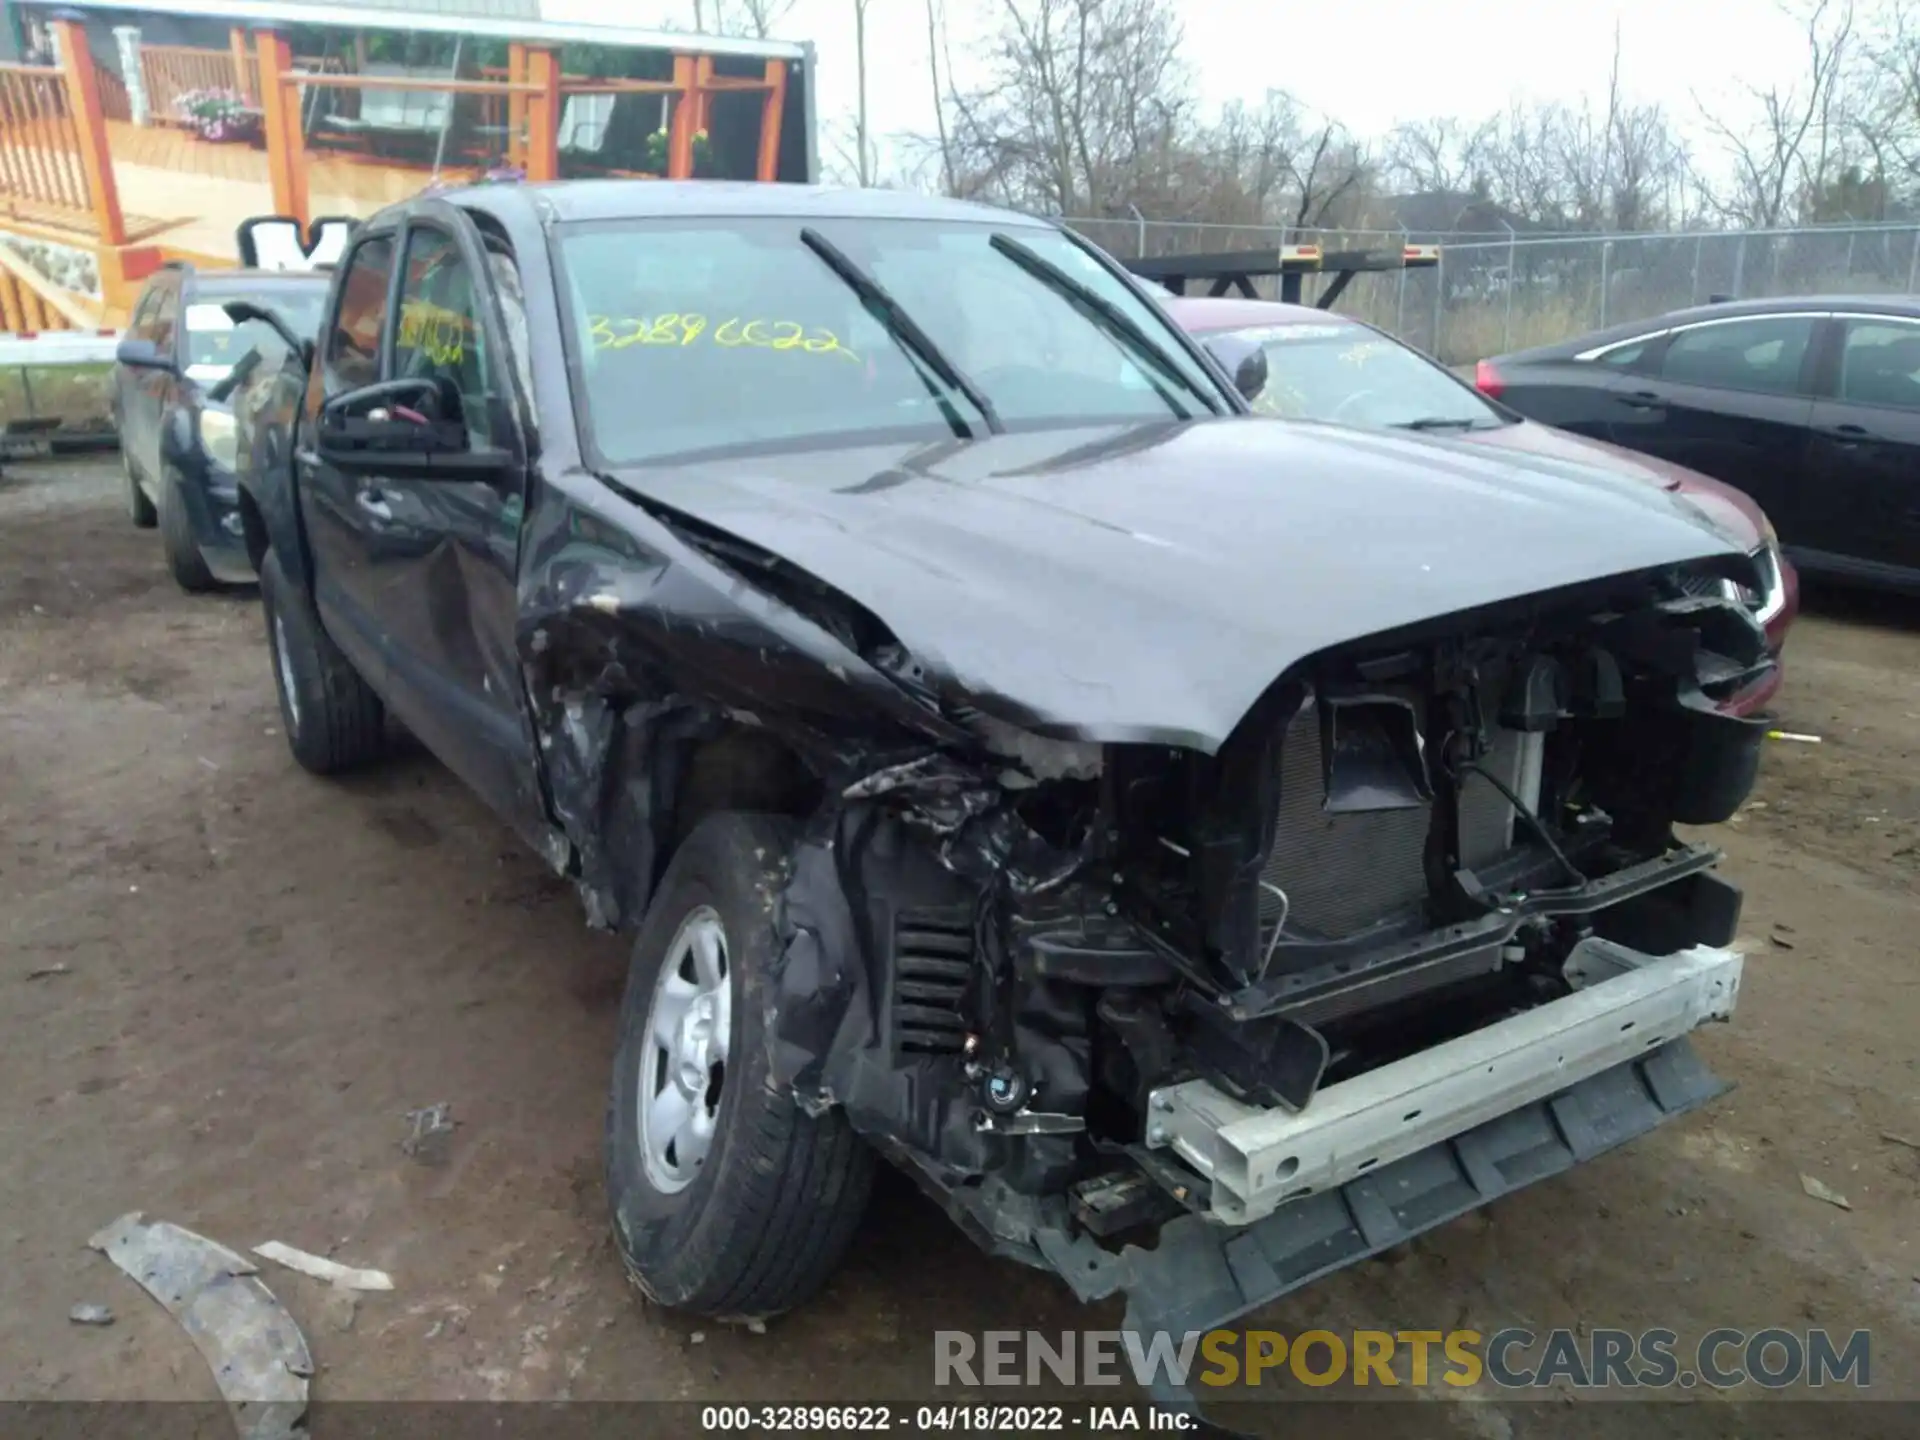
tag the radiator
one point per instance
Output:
(1342, 873)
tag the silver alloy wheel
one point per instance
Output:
(283, 662)
(683, 1065)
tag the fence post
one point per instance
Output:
(543, 113)
(1913, 265)
(516, 105)
(280, 119)
(1513, 278)
(1439, 302)
(1606, 278)
(1693, 286)
(680, 137)
(1400, 299)
(772, 108)
(90, 126)
(1740, 265)
(237, 44)
(126, 43)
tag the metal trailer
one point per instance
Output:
(54, 391)
(1236, 271)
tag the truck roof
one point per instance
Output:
(571, 200)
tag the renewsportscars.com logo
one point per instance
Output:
(1512, 1358)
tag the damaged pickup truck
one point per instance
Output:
(1202, 850)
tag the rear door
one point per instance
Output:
(1861, 498)
(1575, 394)
(341, 512)
(1730, 398)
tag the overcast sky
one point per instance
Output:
(1367, 63)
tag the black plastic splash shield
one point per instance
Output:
(1202, 1275)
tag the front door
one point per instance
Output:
(445, 551)
(1861, 498)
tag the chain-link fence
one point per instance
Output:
(1490, 296)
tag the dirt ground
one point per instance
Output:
(258, 974)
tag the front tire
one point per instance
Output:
(184, 560)
(140, 509)
(728, 1199)
(334, 721)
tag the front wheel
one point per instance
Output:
(728, 1199)
(184, 561)
(334, 720)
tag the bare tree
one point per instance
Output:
(1890, 131)
(1795, 141)
(740, 17)
(1077, 96)
(935, 46)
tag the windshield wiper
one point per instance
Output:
(1437, 422)
(906, 331)
(1108, 316)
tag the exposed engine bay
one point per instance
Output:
(1009, 961)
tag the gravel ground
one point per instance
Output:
(257, 974)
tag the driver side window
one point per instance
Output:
(440, 336)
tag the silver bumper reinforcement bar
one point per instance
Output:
(1625, 1005)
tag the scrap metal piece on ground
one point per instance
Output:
(347, 1277)
(1820, 1191)
(258, 1356)
(90, 1315)
(427, 1134)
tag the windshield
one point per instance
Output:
(1336, 370)
(698, 334)
(215, 343)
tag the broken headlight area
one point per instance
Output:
(1031, 973)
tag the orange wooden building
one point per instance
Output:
(129, 137)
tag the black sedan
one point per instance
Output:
(176, 371)
(1811, 406)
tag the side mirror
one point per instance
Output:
(138, 354)
(407, 429)
(1245, 360)
(241, 311)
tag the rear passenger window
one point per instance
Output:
(351, 356)
(164, 318)
(141, 326)
(1880, 364)
(1625, 357)
(1762, 354)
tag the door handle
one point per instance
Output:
(1644, 400)
(1847, 434)
(374, 503)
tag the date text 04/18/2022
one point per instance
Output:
(957, 1418)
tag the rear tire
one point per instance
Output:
(140, 509)
(755, 1211)
(184, 560)
(334, 721)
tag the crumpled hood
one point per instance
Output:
(1148, 583)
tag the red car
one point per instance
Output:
(1322, 366)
